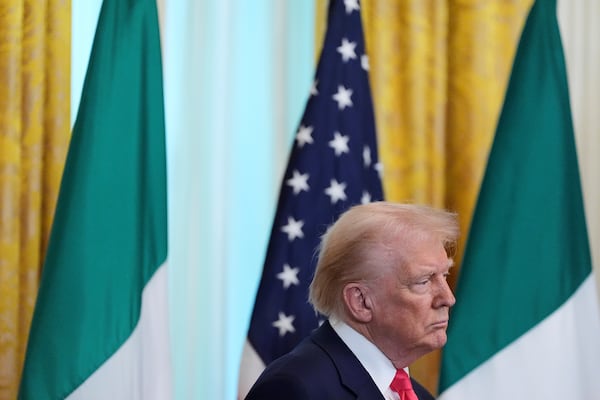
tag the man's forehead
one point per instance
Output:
(430, 267)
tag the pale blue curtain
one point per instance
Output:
(237, 75)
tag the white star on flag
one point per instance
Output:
(343, 97)
(346, 49)
(339, 143)
(304, 135)
(293, 229)
(299, 182)
(351, 5)
(367, 156)
(379, 169)
(289, 276)
(336, 191)
(313, 88)
(284, 324)
(364, 62)
(366, 198)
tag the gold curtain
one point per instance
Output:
(438, 71)
(34, 132)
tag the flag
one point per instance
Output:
(99, 329)
(526, 324)
(333, 165)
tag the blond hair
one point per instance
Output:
(351, 249)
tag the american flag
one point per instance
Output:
(333, 165)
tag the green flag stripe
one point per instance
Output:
(110, 229)
(528, 249)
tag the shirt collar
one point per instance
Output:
(372, 359)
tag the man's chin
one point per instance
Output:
(439, 339)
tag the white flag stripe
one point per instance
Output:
(577, 354)
(141, 367)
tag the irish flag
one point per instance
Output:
(526, 324)
(100, 324)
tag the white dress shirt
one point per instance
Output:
(375, 362)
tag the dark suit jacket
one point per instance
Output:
(320, 367)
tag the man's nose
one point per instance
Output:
(444, 296)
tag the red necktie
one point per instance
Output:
(401, 384)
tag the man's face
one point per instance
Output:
(411, 303)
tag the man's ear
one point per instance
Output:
(358, 302)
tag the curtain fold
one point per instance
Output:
(34, 134)
(579, 33)
(237, 75)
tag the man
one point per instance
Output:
(381, 281)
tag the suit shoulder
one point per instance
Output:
(420, 391)
(305, 373)
(279, 386)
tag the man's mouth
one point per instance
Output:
(440, 324)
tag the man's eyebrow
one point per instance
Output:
(435, 267)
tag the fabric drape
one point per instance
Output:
(34, 133)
